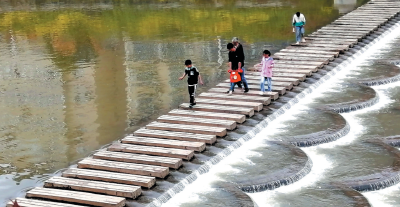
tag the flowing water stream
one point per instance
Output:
(348, 151)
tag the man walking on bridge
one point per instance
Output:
(298, 23)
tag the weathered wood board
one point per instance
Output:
(76, 197)
(112, 177)
(208, 139)
(170, 162)
(150, 150)
(123, 167)
(113, 189)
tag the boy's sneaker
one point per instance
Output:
(303, 40)
(190, 106)
(230, 93)
(246, 90)
(193, 104)
(297, 43)
(261, 93)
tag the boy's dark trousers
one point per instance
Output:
(192, 92)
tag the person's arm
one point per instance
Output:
(304, 18)
(239, 65)
(272, 63)
(183, 76)
(201, 80)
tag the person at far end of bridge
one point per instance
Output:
(298, 23)
(193, 78)
(267, 63)
(240, 55)
(235, 68)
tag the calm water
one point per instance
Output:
(75, 76)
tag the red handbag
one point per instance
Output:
(235, 76)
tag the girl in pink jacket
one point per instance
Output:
(267, 64)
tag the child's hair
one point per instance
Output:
(229, 46)
(298, 14)
(267, 52)
(188, 62)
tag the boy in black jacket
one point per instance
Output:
(193, 78)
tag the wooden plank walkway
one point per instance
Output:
(219, 96)
(248, 111)
(122, 167)
(111, 177)
(23, 202)
(272, 95)
(119, 172)
(230, 125)
(195, 146)
(208, 139)
(159, 151)
(76, 197)
(127, 191)
(239, 118)
(170, 162)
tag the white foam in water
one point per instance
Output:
(320, 163)
(379, 198)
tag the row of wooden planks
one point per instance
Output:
(110, 176)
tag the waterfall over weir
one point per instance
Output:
(252, 133)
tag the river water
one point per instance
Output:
(358, 159)
(75, 76)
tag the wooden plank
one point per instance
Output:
(208, 139)
(112, 177)
(331, 42)
(272, 95)
(113, 189)
(217, 131)
(297, 66)
(300, 77)
(298, 63)
(340, 29)
(350, 27)
(219, 96)
(294, 81)
(220, 109)
(311, 44)
(311, 51)
(314, 48)
(170, 162)
(334, 41)
(301, 58)
(23, 202)
(307, 72)
(239, 118)
(287, 85)
(150, 150)
(256, 106)
(167, 143)
(294, 55)
(229, 125)
(76, 197)
(122, 167)
(279, 89)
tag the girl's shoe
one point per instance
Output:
(230, 93)
(303, 40)
(261, 93)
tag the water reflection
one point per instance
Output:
(77, 75)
